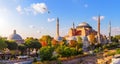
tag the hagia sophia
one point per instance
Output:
(85, 31)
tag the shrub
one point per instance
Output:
(80, 51)
(111, 53)
(67, 52)
(104, 46)
(118, 51)
(46, 53)
(96, 50)
(64, 51)
(73, 51)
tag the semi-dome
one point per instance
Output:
(83, 24)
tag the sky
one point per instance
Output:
(34, 18)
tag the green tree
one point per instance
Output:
(2, 44)
(46, 53)
(118, 50)
(65, 51)
(22, 48)
(47, 39)
(32, 43)
(115, 38)
(12, 45)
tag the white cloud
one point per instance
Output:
(39, 8)
(85, 5)
(19, 9)
(102, 17)
(36, 8)
(32, 26)
(51, 19)
(96, 18)
(115, 30)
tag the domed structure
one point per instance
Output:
(84, 24)
(16, 37)
(58, 38)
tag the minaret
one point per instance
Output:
(73, 25)
(73, 29)
(110, 32)
(57, 32)
(99, 29)
(14, 31)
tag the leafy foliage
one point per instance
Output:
(22, 48)
(65, 51)
(12, 45)
(47, 39)
(115, 38)
(32, 43)
(73, 43)
(118, 51)
(46, 53)
(2, 44)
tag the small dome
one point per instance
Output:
(15, 36)
(83, 24)
(58, 38)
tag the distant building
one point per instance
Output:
(16, 37)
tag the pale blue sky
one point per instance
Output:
(30, 17)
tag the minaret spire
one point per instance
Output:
(109, 31)
(73, 25)
(99, 41)
(57, 34)
(73, 29)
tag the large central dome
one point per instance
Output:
(83, 24)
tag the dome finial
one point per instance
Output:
(14, 32)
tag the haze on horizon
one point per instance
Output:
(34, 18)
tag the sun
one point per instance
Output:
(3, 23)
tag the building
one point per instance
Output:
(83, 29)
(16, 37)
